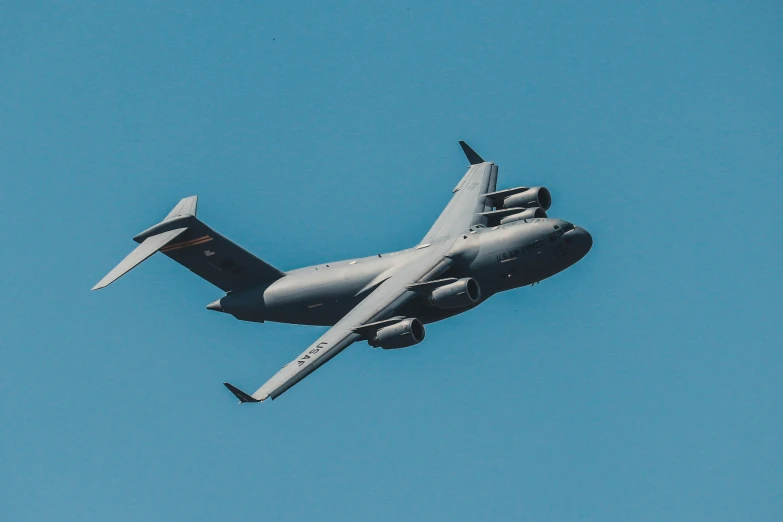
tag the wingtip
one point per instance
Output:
(473, 158)
(239, 394)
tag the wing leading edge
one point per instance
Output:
(468, 202)
(380, 305)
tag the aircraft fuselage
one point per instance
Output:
(500, 258)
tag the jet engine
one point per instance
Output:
(529, 213)
(460, 293)
(399, 335)
(532, 197)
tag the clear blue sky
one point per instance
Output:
(642, 384)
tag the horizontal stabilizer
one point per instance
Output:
(242, 396)
(148, 247)
(199, 249)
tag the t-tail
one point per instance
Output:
(192, 244)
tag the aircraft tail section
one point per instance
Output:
(194, 245)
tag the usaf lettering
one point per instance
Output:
(312, 352)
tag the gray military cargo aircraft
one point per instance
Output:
(485, 241)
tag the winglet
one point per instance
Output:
(473, 158)
(242, 396)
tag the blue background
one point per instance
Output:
(641, 384)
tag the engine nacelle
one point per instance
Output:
(399, 335)
(530, 213)
(532, 197)
(458, 294)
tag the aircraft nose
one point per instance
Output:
(581, 240)
(585, 239)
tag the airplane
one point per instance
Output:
(485, 241)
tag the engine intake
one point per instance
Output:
(399, 335)
(532, 197)
(458, 294)
(530, 213)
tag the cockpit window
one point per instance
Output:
(567, 227)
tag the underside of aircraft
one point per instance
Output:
(484, 242)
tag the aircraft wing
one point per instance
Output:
(380, 305)
(468, 202)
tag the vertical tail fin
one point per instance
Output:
(185, 207)
(198, 248)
